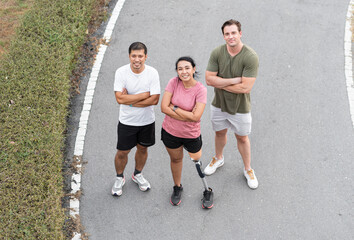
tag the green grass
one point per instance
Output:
(34, 101)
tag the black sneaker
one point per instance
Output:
(208, 199)
(176, 195)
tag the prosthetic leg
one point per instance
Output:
(208, 192)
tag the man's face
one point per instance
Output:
(137, 60)
(232, 36)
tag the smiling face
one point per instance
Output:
(185, 70)
(232, 35)
(137, 60)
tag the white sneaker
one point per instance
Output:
(251, 178)
(143, 184)
(213, 165)
(117, 188)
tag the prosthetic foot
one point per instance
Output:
(207, 201)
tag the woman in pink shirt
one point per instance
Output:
(183, 103)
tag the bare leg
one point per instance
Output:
(176, 156)
(244, 147)
(220, 142)
(141, 155)
(120, 160)
(196, 156)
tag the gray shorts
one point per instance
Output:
(240, 123)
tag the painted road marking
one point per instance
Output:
(348, 59)
(80, 138)
(85, 113)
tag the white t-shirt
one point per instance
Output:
(146, 81)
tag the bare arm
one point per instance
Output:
(194, 115)
(152, 100)
(244, 87)
(213, 80)
(165, 106)
(127, 99)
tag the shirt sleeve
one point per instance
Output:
(155, 83)
(119, 82)
(171, 85)
(213, 62)
(251, 66)
(202, 95)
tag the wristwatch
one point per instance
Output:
(175, 108)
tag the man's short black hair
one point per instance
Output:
(137, 46)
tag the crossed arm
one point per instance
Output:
(234, 85)
(137, 100)
(179, 113)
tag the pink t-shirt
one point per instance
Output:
(184, 98)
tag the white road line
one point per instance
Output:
(348, 59)
(80, 137)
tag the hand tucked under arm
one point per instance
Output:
(191, 116)
(165, 106)
(244, 87)
(213, 80)
(124, 98)
(152, 100)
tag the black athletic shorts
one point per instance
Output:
(192, 145)
(130, 136)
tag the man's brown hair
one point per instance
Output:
(231, 22)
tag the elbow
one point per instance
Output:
(195, 119)
(120, 101)
(164, 109)
(155, 102)
(246, 91)
(208, 82)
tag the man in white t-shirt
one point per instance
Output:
(137, 90)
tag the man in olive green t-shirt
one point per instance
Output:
(232, 71)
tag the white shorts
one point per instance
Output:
(240, 123)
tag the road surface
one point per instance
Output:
(302, 136)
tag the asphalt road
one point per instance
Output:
(302, 136)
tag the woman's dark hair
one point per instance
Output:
(188, 59)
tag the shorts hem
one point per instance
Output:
(147, 145)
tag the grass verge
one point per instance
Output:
(35, 94)
(11, 12)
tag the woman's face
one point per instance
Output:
(185, 70)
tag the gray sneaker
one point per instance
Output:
(144, 185)
(117, 186)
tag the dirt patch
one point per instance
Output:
(11, 13)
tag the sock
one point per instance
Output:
(136, 172)
(120, 175)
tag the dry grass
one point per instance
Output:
(34, 101)
(11, 12)
(352, 27)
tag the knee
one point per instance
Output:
(176, 160)
(141, 149)
(122, 154)
(242, 139)
(221, 133)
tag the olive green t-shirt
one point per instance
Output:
(244, 64)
